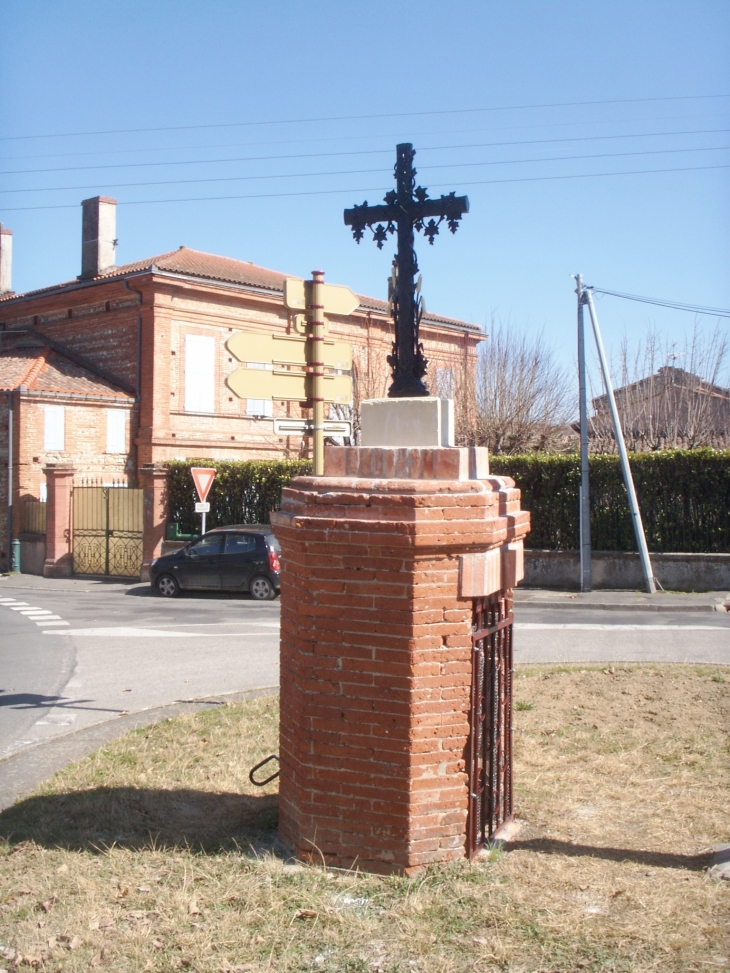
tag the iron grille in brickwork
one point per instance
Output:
(107, 530)
(490, 737)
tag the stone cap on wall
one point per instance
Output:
(408, 463)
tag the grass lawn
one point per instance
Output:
(155, 853)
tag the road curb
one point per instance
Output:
(22, 772)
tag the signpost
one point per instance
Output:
(296, 365)
(203, 477)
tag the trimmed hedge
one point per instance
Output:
(684, 498)
(242, 492)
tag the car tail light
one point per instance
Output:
(274, 562)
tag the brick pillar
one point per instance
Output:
(381, 560)
(153, 480)
(59, 521)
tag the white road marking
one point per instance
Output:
(17, 605)
(34, 611)
(48, 621)
(49, 618)
(590, 627)
(128, 632)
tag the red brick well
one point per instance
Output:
(382, 558)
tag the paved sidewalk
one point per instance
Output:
(662, 601)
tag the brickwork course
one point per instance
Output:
(376, 651)
(128, 326)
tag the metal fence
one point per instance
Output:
(33, 517)
(490, 740)
(107, 530)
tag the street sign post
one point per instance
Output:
(332, 427)
(203, 477)
(295, 366)
(336, 298)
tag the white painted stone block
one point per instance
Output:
(418, 422)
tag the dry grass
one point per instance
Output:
(155, 853)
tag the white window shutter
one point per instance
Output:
(54, 428)
(116, 431)
(199, 373)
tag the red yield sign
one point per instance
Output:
(203, 480)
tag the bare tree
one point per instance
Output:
(669, 395)
(519, 400)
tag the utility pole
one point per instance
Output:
(625, 468)
(585, 504)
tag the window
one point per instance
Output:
(43, 492)
(259, 407)
(199, 373)
(240, 544)
(54, 428)
(208, 545)
(116, 431)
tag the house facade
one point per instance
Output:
(152, 334)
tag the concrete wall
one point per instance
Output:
(676, 572)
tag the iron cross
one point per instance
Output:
(406, 209)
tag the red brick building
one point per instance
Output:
(149, 339)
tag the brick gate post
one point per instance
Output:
(59, 521)
(153, 480)
(382, 557)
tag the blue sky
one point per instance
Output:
(299, 84)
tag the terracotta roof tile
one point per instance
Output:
(209, 266)
(45, 370)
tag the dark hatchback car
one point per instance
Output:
(242, 557)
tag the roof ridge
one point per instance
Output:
(35, 368)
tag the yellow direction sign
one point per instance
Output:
(273, 349)
(337, 298)
(282, 385)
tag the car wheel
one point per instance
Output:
(168, 586)
(262, 589)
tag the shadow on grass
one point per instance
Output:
(657, 859)
(144, 818)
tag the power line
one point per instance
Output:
(350, 138)
(357, 152)
(360, 172)
(353, 118)
(717, 312)
(372, 189)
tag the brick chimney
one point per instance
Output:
(98, 235)
(6, 259)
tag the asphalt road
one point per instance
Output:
(104, 649)
(75, 653)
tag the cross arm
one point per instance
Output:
(447, 207)
(364, 215)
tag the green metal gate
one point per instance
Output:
(107, 530)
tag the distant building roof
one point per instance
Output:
(209, 266)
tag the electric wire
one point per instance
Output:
(353, 138)
(354, 118)
(360, 172)
(373, 189)
(718, 312)
(359, 152)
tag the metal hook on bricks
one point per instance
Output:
(252, 771)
